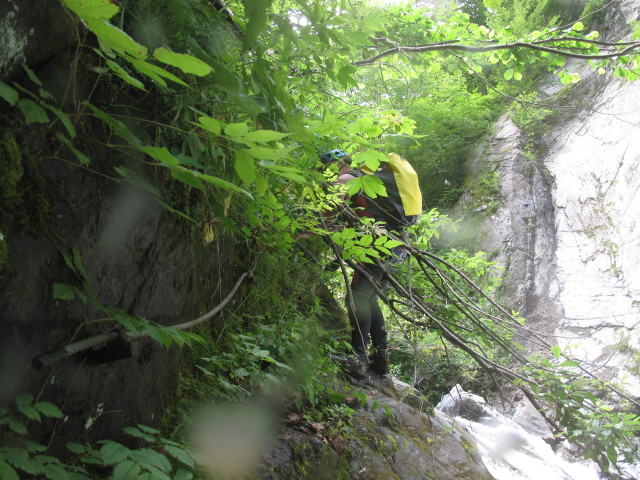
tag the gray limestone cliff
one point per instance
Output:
(566, 227)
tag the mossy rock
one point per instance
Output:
(22, 199)
(12, 173)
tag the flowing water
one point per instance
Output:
(508, 450)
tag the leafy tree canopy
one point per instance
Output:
(240, 96)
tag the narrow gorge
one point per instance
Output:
(143, 188)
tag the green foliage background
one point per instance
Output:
(229, 105)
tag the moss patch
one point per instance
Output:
(23, 202)
(12, 173)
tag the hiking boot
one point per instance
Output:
(357, 366)
(380, 363)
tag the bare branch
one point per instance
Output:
(630, 49)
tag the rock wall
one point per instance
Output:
(567, 230)
(139, 258)
(29, 37)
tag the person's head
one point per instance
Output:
(336, 156)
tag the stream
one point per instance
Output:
(508, 450)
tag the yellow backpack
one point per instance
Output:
(403, 203)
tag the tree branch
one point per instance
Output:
(630, 47)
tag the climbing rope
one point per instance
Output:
(98, 341)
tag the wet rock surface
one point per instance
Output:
(394, 435)
(567, 228)
(136, 257)
(31, 31)
(137, 261)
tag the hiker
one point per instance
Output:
(366, 317)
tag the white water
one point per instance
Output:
(509, 453)
(508, 450)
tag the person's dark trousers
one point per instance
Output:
(367, 318)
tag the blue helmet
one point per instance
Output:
(332, 156)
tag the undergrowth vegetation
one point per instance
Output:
(218, 111)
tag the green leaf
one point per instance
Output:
(578, 27)
(77, 261)
(182, 474)
(146, 428)
(545, 362)
(156, 73)
(118, 127)
(112, 38)
(161, 154)
(188, 177)
(354, 185)
(33, 446)
(252, 104)
(76, 448)
(49, 409)
(508, 74)
(288, 172)
(492, 4)
(64, 118)
(136, 432)
(371, 158)
(256, 12)
(188, 161)
(153, 458)
(19, 458)
(113, 452)
(345, 76)
(372, 186)
(259, 352)
(365, 240)
(186, 63)
(55, 472)
(32, 112)
(211, 125)
(88, 9)
(261, 184)
(124, 75)
(62, 291)
(130, 324)
(264, 136)
(7, 472)
(127, 470)
(236, 129)
(9, 94)
(219, 182)
(78, 476)
(226, 79)
(162, 338)
(32, 76)
(245, 167)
